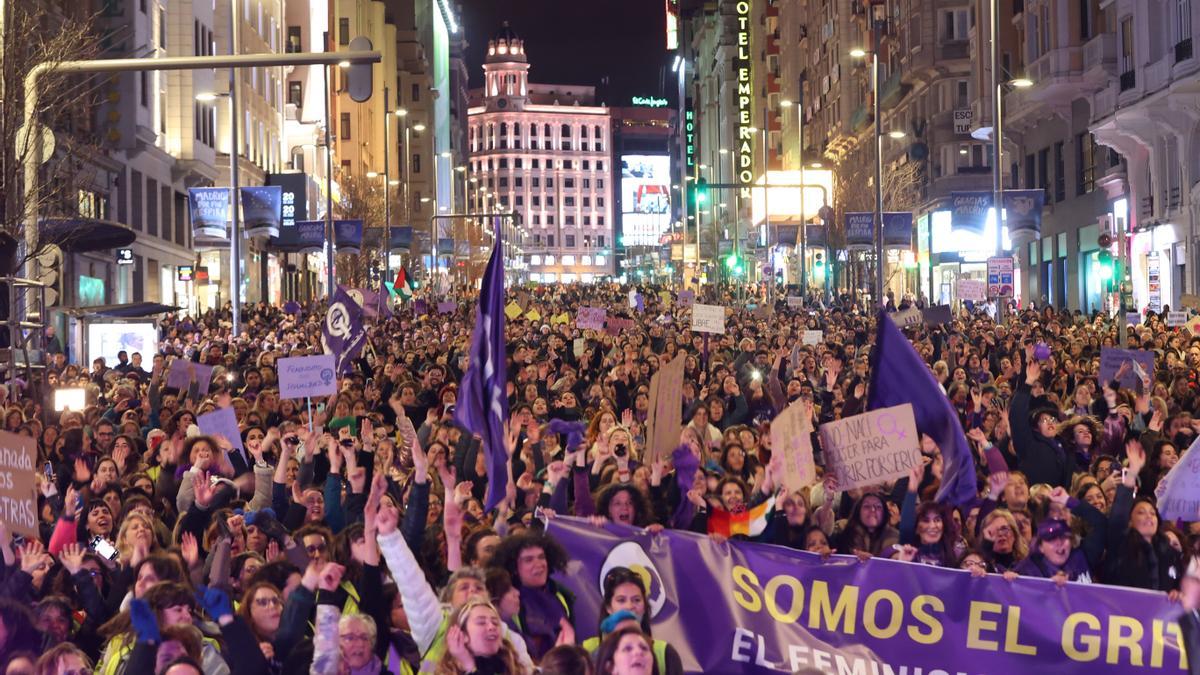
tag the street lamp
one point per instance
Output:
(235, 236)
(787, 103)
(859, 53)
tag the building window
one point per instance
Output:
(569, 220)
(294, 39)
(519, 181)
(549, 182)
(295, 93)
(416, 166)
(537, 182)
(587, 202)
(537, 220)
(599, 183)
(144, 88)
(587, 182)
(550, 237)
(1128, 76)
(549, 200)
(587, 220)
(569, 201)
(1182, 29)
(569, 182)
(1043, 160)
(1030, 172)
(344, 31)
(504, 181)
(600, 221)
(600, 239)
(1085, 163)
(416, 92)
(955, 25)
(1060, 173)
(570, 238)
(344, 126)
(600, 202)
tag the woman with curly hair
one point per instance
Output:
(546, 607)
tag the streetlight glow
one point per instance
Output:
(858, 52)
(418, 127)
(372, 174)
(786, 103)
(206, 96)
(1022, 82)
(401, 112)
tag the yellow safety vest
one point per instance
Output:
(591, 644)
(116, 656)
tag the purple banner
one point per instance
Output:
(752, 608)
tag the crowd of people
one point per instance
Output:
(350, 536)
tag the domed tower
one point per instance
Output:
(506, 71)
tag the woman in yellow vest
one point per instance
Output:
(625, 602)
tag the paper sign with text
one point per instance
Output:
(1179, 493)
(179, 375)
(307, 376)
(708, 319)
(791, 432)
(812, 337)
(871, 448)
(1111, 359)
(513, 310)
(18, 486)
(447, 307)
(1177, 318)
(908, 317)
(221, 422)
(795, 302)
(972, 289)
(665, 412)
(591, 317)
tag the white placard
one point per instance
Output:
(812, 337)
(708, 318)
(1176, 318)
(795, 301)
(972, 289)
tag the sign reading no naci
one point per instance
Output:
(871, 448)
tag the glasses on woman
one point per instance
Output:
(273, 601)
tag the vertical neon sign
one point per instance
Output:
(689, 130)
(745, 85)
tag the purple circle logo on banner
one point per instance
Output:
(326, 375)
(888, 426)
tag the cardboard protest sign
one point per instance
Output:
(937, 315)
(523, 300)
(591, 317)
(973, 290)
(708, 319)
(812, 337)
(664, 298)
(561, 318)
(578, 346)
(1190, 301)
(1133, 318)
(665, 412)
(420, 307)
(1193, 326)
(1111, 359)
(871, 448)
(1179, 493)
(795, 302)
(307, 376)
(447, 307)
(513, 310)
(179, 375)
(18, 485)
(1176, 318)
(908, 317)
(221, 422)
(790, 433)
(687, 298)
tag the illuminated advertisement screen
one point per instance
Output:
(645, 198)
(106, 339)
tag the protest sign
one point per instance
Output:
(791, 432)
(523, 300)
(937, 315)
(591, 317)
(578, 346)
(221, 422)
(795, 302)
(561, 318)
(764, 311)
(1176, 318)
(907, 317)
(512, 310)
(812, 337)
(1193, 326)
(756, 609)
(18, 486)
(420, 307)
(179, 375)
(1133, 318)
(687, 298)
(533, 315)
(664, 299)
(665, 410)
(973, 290)
(1179, 493)
(447, 307)
(708, 319)
(871, 448)
(306, 376)
(1190, 301)
(1111, 359)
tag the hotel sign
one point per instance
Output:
(745, 87)
(689, 128)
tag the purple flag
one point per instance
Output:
(641, 302)
(342, 333)
(898, 375)
(482, 399)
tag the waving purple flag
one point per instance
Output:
(343, 334)
(482, 399)
(898, 375)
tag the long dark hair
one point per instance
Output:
(618, 576)
(608, 649)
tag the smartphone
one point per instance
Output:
(48, 469)
(103, 547)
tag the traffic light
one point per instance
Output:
(733, 263)
(819, 265)
(701, 191)
(1105, 265)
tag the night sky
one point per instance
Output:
(578, 42)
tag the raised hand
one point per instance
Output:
(203, 489)
(190, 550)
(1136, 454)
(331, 577)
(34, 557)
(996, 484)
(71, 556)
(1059, 496)
(71, 504)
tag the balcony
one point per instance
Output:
(1100, 58)
(1128, 80)
(958, 49)
(1183, 50)
(1158, 75)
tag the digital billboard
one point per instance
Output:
(645, 198)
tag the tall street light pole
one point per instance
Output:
(235, 235)
(875, 25)
(799, 104)
(386, 241)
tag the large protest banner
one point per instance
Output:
(734, 607)
(871, 448)
(18, 487)
(306, 376)
(1112, 358)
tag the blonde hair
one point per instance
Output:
(1020, 546)
(124, 545)
(448, 665)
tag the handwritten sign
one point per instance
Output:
(665, 412)
(871, 448)
(812, 337)
(908, 317)
(591, 317)
(687, 298)
(795, 302)
(513, 310)
(790, 432)
(1112, 358)
(447, 307)
(1190, 301)
(533, 315)
(179, 375)
(973, 290)
(578, 346)
(1179, 493)
(307, 376)
(1176, 318)
(561, 318)
(221, 422)
(1193, 326)
(708, 319)
(18, 486)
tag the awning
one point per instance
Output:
(82, 235)
(124, 311)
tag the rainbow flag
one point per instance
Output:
(750, 522)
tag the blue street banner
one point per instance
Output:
(401, 238)
(1022, 212)
(342, 333)
(897, 229)
(860, 231)
(209, 210)
(262, 209)
(735, 607)
(348, 235)
(482, 395)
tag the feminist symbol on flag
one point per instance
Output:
(338, 320)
